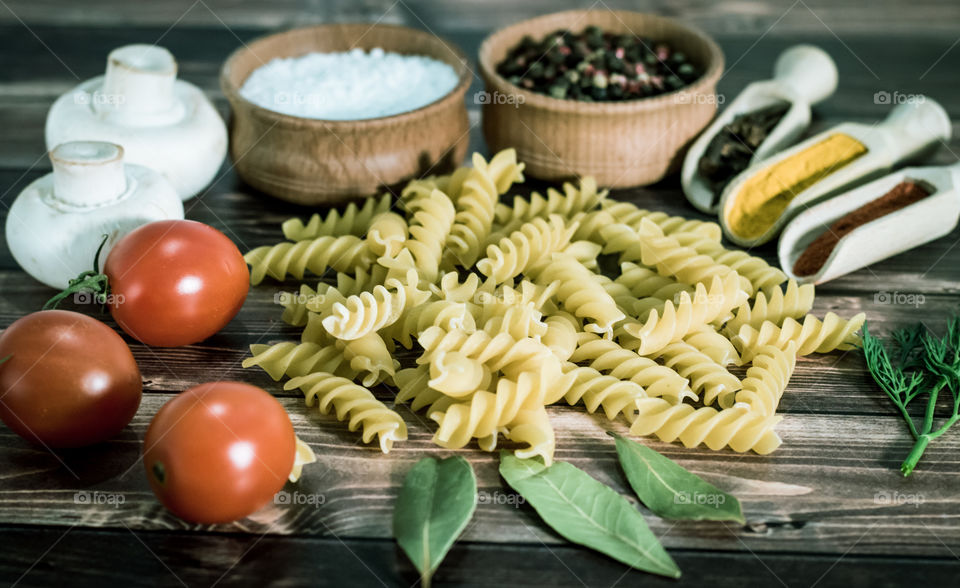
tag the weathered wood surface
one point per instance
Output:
(828, 507)
(749, 17)
(825, 490)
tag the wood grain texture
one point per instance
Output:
(833, 486)
(202, 559)
(749, 17)
(829, 507)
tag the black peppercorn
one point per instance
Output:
(594, 65)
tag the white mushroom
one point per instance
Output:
(56, 224)
(161, 122)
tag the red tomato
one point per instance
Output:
(175, 282)
(69, 379)
(218, 452)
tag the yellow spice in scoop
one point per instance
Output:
(763, 198)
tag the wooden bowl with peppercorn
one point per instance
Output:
(315, 160)
(613, 94)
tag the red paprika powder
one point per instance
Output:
(816, 254)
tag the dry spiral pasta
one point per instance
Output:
(760, 273)
(388, 232)
(674, 322)
(810, 336)
(774, 306)
(367, 312)
(643, 282)
(370, 355)
(510, 308)
(485, 413)
(713, 344)
(477, 201)
(432, 221)
(353, 402)
(569, 204)
(446, 314)
(766, 379)
(531, 243)
(353, 221)
(457, 375)
(532, 427)
(290, 359)
(607, 356)
(344, 254)
(595, 390)
(580, 293)
(736, 427)
(412, 387)
(651, 247)
(297, 306)
(707, 377)
(632, 216)
(500, 352)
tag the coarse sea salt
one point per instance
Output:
(353, 85)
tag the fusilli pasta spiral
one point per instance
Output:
(580, 293)
(766, 379)
(595, 389)
(534, 241)
(810, 336)
(367, 312)
(760, 274)
(388, 232)
(632, 216)
(737, 427)
(432, 220)
(569, 204)
(607, 356)
(532, 427)
(707, 377)
(370, 355)
(540, 318)
(793, 303)
(289, 358)
(352, 402)
(344, 254)
(653, 248)
(476, 203)
(353, 220)
(690, 313)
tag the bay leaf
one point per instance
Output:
(671, 491)
(435, 504)
(587, 512)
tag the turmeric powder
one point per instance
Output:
(763, 197)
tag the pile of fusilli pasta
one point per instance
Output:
(510, 313)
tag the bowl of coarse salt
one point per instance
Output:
(325, 114)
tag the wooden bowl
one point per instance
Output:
(622, 144)
(312, 161)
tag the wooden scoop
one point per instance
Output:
(911, 130)
(802, 76)
(901, 230)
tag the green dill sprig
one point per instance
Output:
(926, 365)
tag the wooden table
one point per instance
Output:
(828, 508)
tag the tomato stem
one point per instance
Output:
(159, 472)
(2, 361)
(88, 281)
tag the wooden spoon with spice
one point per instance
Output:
(766, 117)
(880, 219)
(762, 199)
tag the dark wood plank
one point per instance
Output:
(38, 73)
(747, 17)
(828, 507)
(824, 490)
(42, 556)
